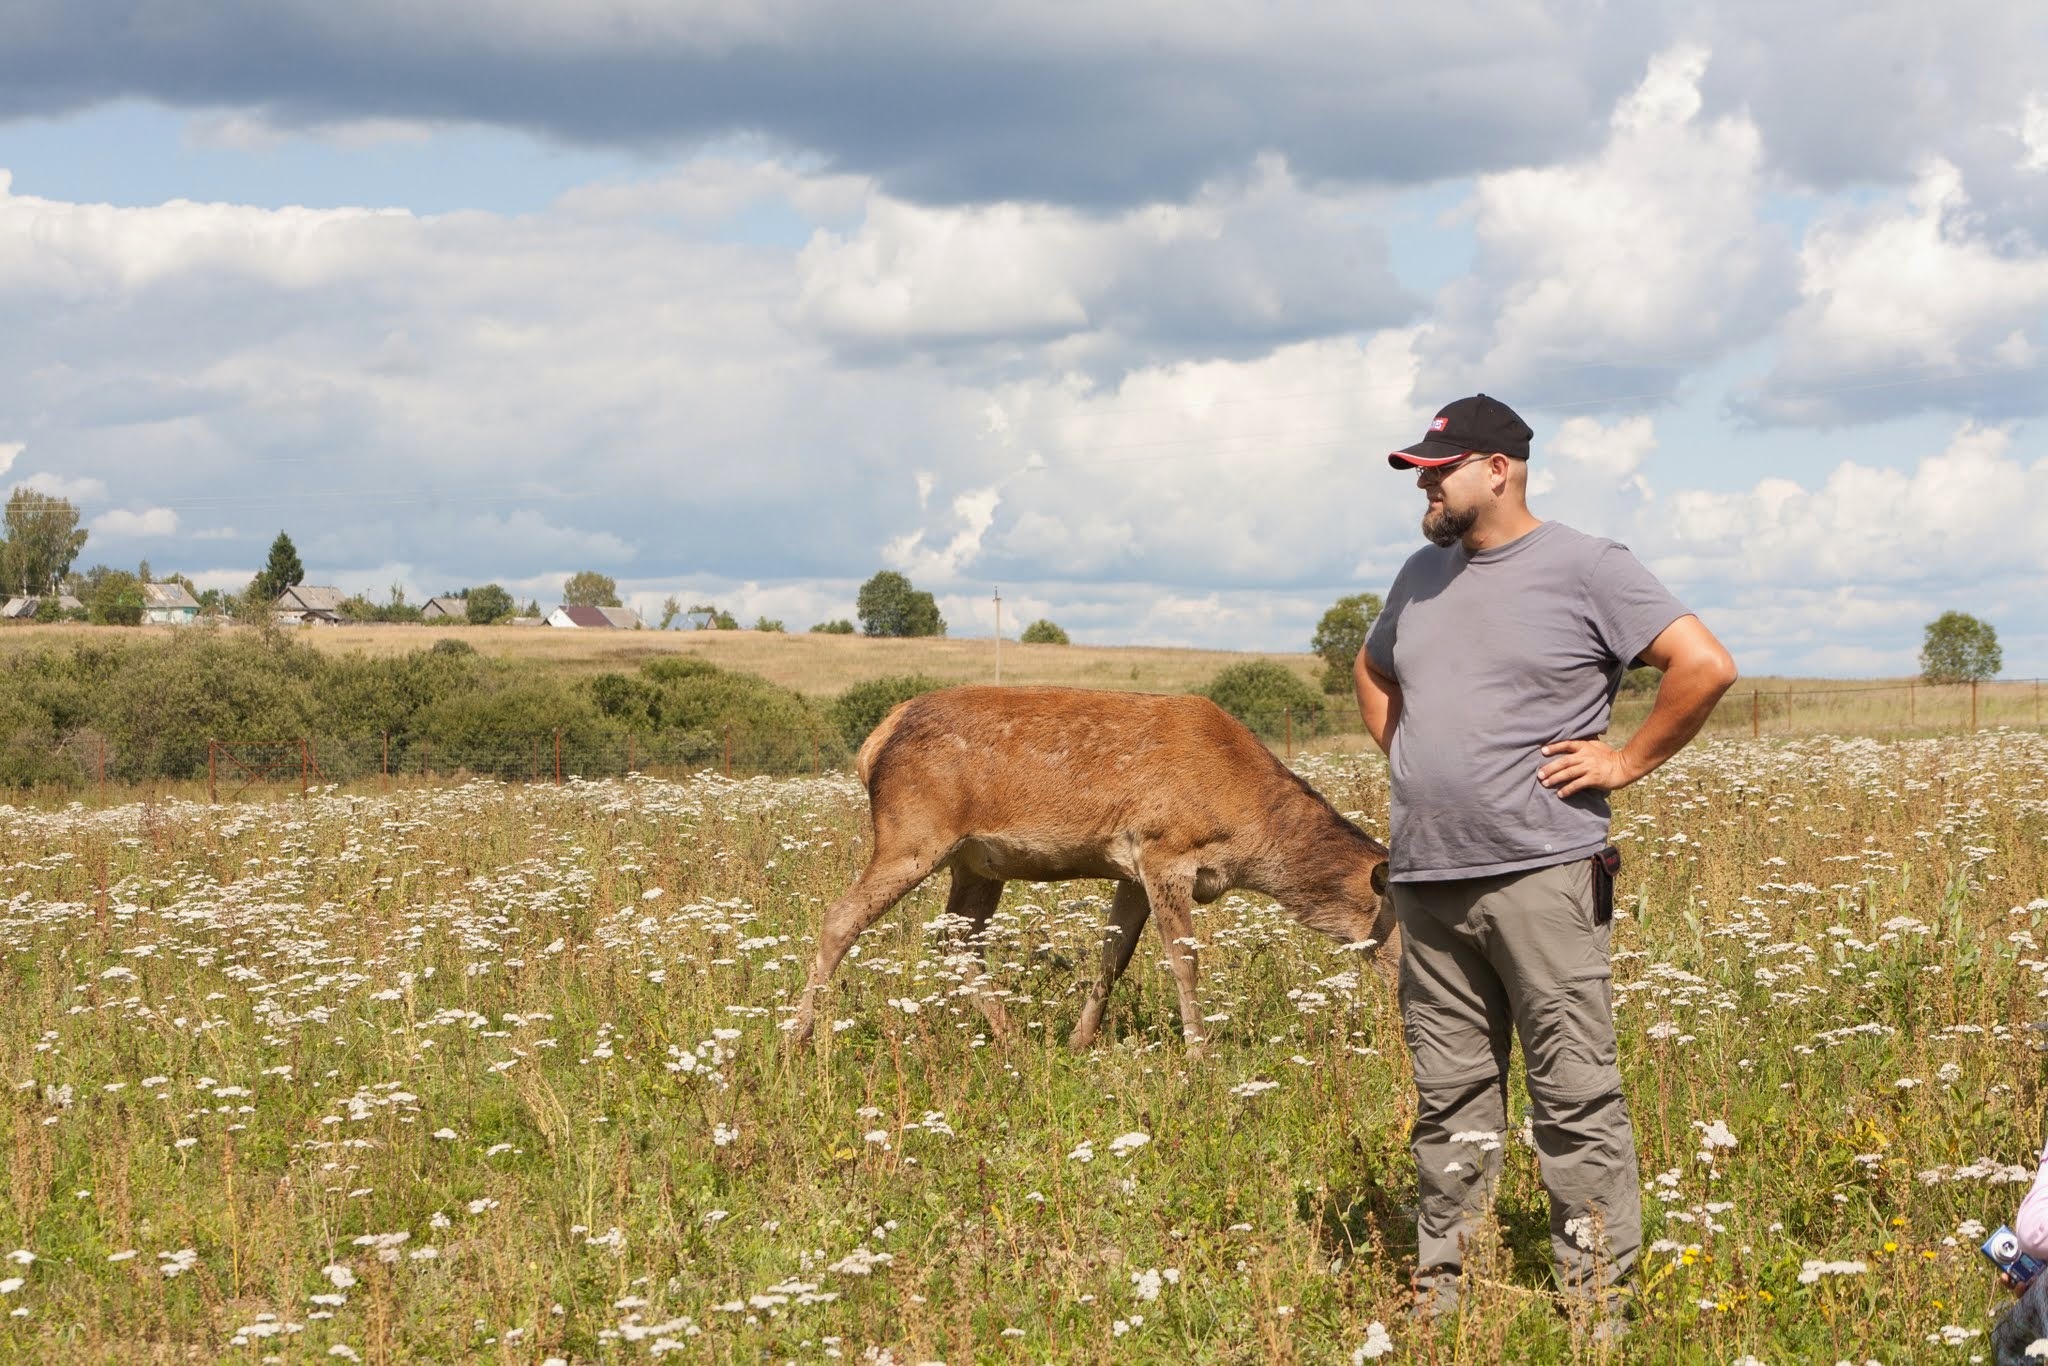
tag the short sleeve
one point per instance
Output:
(1630, 607)
(1379, 641)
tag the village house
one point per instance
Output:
(307, 603)
(24, 609)
(595, 618)
(168, 604)
(444, 609)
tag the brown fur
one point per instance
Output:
(1168, 795)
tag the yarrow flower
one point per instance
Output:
(1812, 1271)
(1378, 1342)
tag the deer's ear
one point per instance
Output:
(1379, 877)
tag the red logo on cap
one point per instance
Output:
(1439, 424)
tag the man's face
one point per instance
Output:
(1457, 495)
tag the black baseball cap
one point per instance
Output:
(1475, 424)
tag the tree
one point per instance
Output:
(1043, 632)
(42, 540)
(1960, 649)
(671, 608)
(281, 571)
(840, 627)
(889, 606)
(487, 604)
(588, 588)
(116, 599)
(1341, 634)
(772, 625)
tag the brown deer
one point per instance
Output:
(1169, 796)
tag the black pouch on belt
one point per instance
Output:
(1606, 864)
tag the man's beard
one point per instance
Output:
(1446, 528)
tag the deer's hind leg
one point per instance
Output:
(881, 885)
(1173, 904)
(1127, 915)
(969, 905)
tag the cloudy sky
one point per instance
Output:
(1116, 309)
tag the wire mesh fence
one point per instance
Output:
(1910, 708)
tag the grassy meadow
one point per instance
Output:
(495, 1072)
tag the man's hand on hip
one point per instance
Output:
(1579, 765)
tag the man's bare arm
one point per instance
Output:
(1379, 701)
(1697, 670)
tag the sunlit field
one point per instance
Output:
(815, 665)
(497, 1072)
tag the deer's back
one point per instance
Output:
(984, 759)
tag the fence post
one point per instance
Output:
(385, 779)
(303, 765)
(2037, 704)
(728, 751)
(818, 765)
(1287, 720)
(424, 770)
(211, 798)
(103, 770)
(558, 758)
(629, 754)
(1756, 715)
(1973, 704)
(1912, 704)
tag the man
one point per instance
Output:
(1487, 680)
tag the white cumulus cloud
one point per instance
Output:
(1617, 274)
(1909, 305)
(121, 522)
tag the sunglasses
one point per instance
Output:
(1441, 472)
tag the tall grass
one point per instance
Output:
(495, 1072)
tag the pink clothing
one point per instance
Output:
(2031, 1223)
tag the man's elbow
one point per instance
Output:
(1713, 668)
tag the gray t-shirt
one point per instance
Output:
(1497, 655)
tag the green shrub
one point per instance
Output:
(1263, 694)
(696, 707)
(626, 701)
(841, 627)
(161, 703)
(509, 731)
(859, 709)
(675, 668)
(1043, 632)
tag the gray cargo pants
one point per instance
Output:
(1526, 950)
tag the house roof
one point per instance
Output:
(308, 597)
(168, 596)
(585, 616)
(454, 607)
(11, 608)
(624, 618)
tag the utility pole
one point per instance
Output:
(999, 637)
